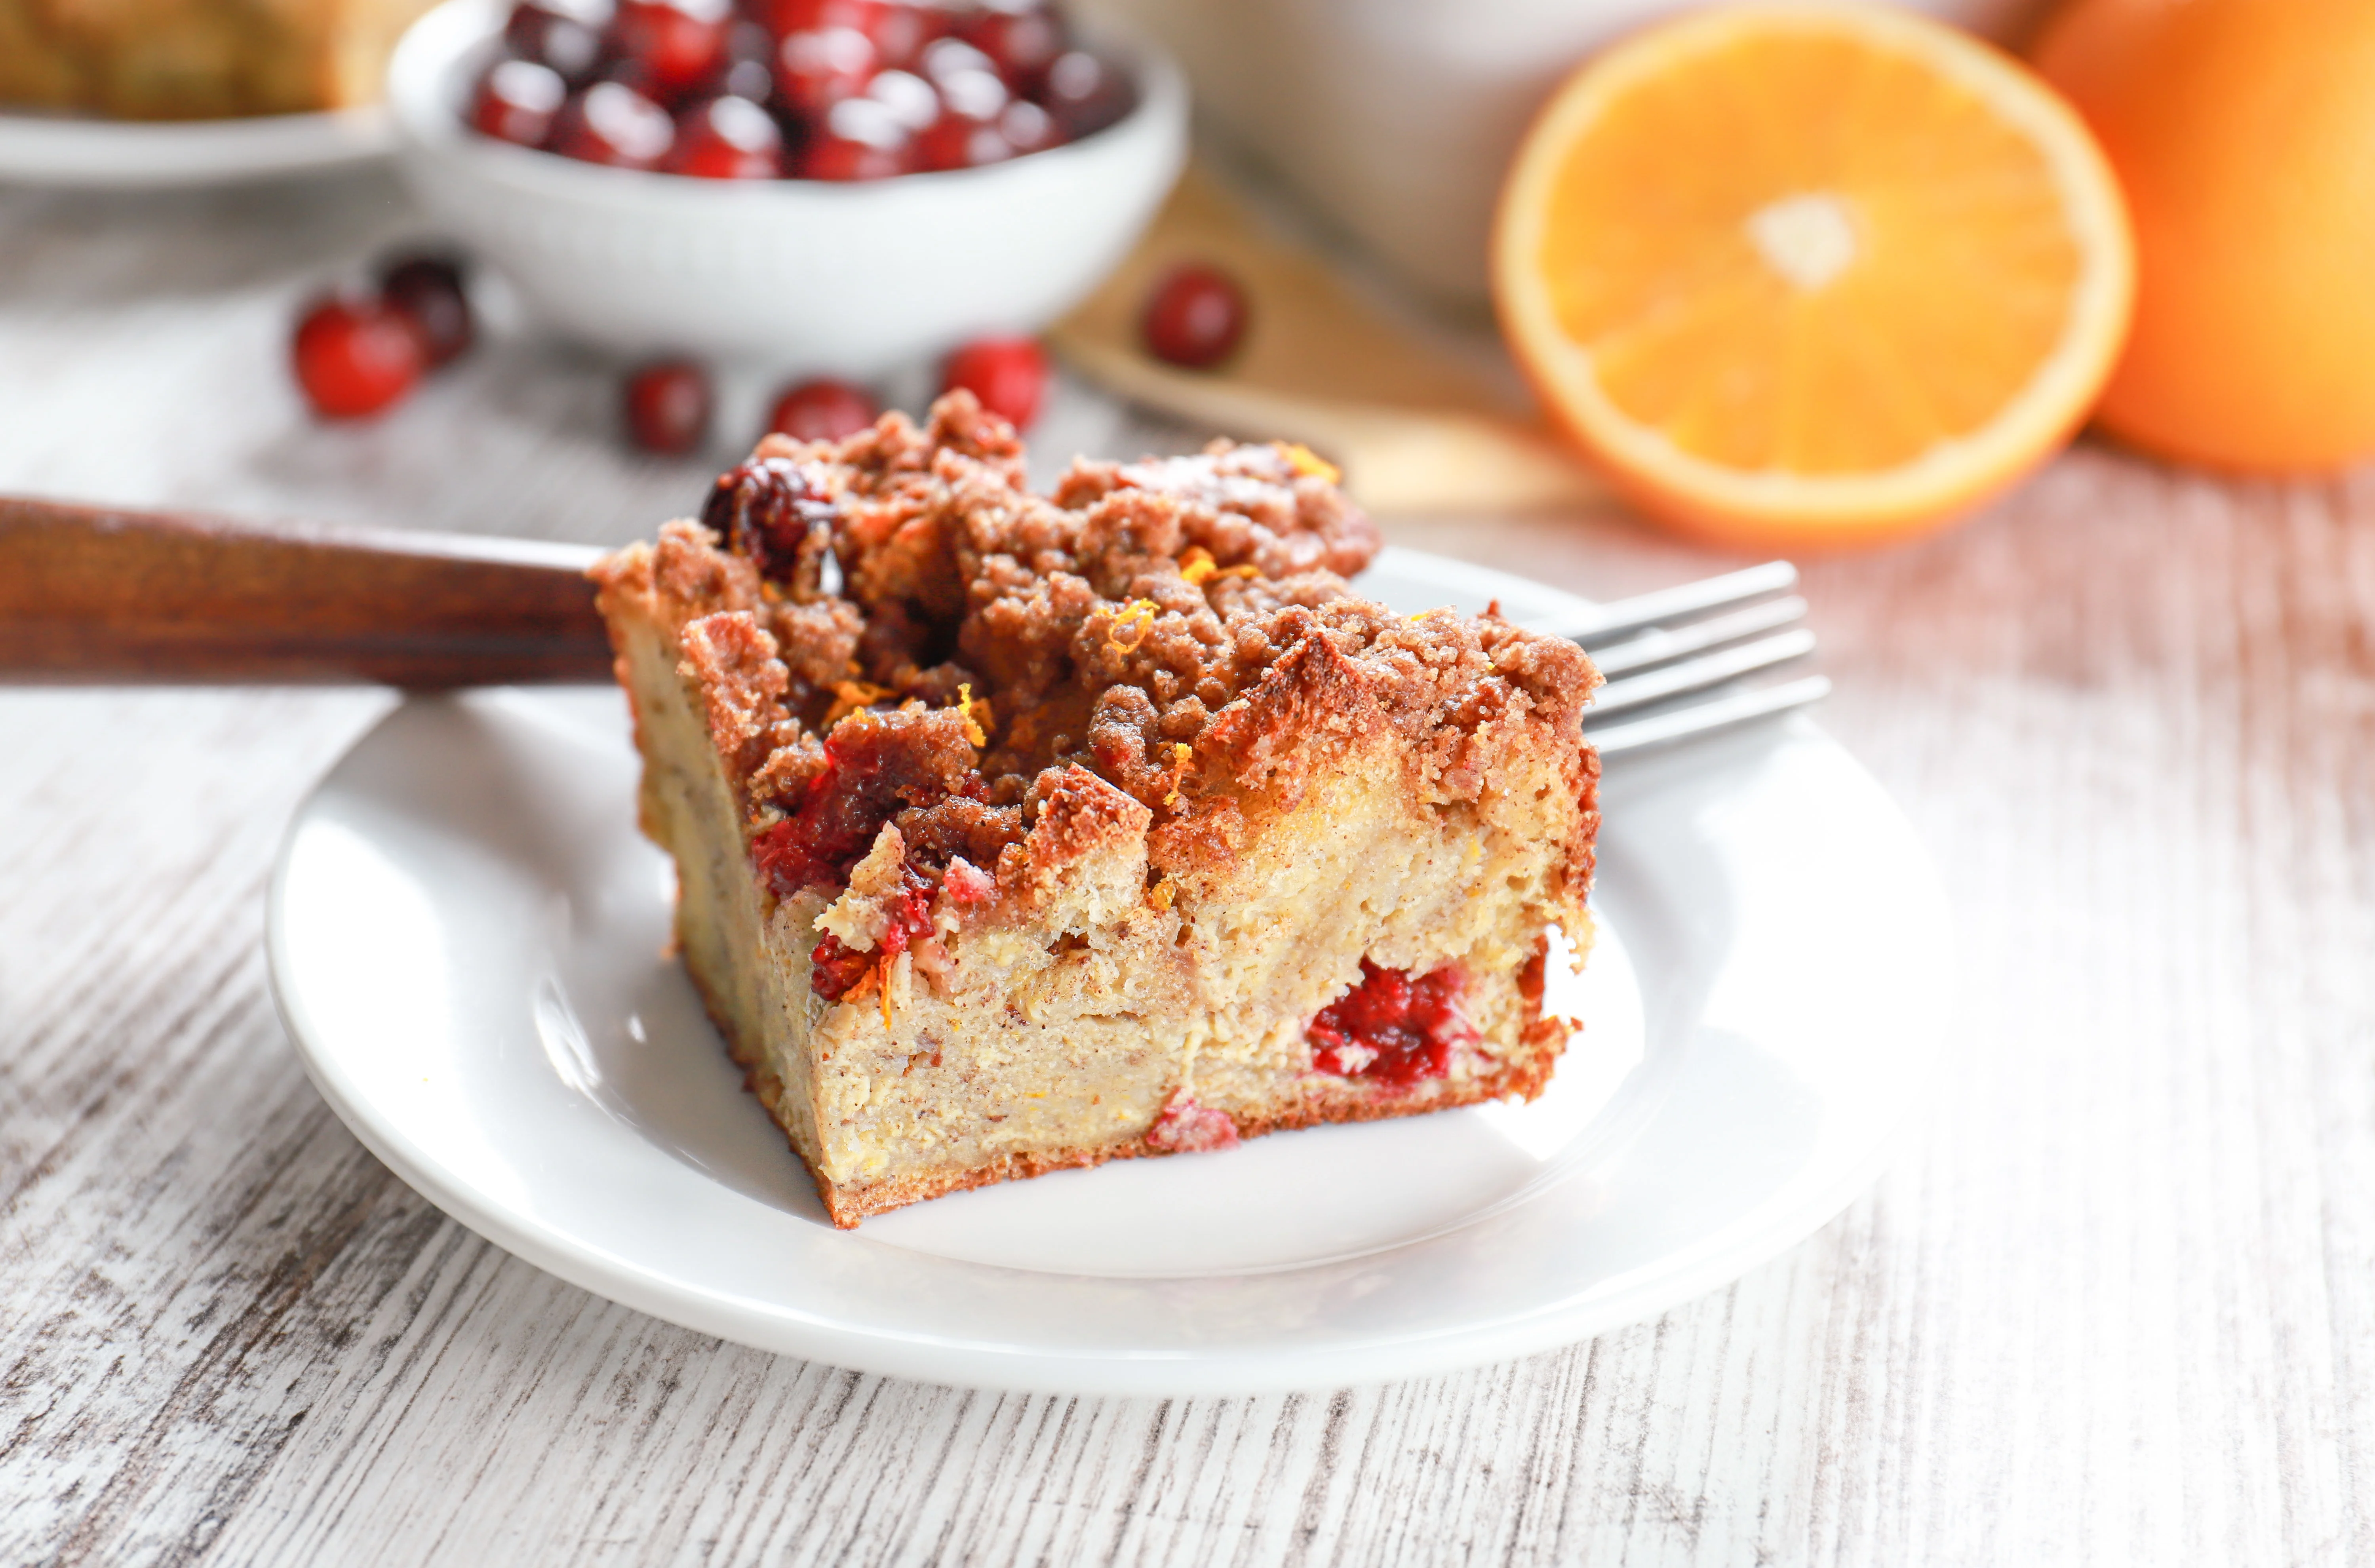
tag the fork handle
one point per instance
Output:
(102, 595)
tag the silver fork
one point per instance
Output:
(1676, 659)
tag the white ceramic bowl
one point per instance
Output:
(803, 277)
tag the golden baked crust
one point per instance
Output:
(197, 59)
(1018, 832)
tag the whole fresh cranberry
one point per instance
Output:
(859, 139)
(822, 410)
(788, 17)
(968, 133)
(1008, 374)
(748, 70)
(1029, 128)
(1195, 317)
(955, 142)
(563, 34)
(897, 29)
(815, 69)
(1084, 94)
(517, 102)
(946, 57)
(611, 123)
(912, 100)
(1022, 37)
(678, 43)
(427, 291)
(905, 29)
(978, 95)
(728, 138)
(666, 407)
(354, 356)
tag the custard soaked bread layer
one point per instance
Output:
(1019, 832)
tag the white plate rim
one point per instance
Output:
(84, 152)
(1750, 1239)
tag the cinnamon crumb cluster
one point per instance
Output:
(928, 642)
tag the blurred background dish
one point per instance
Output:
(1396, 119)
(807, 277)
(75, 150)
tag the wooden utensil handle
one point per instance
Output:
(102, 595)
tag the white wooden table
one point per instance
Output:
(2116, 1302)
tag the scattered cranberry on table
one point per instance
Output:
(639, 84)
(666, 407)
(1195, 317)
(822, 410)
(1008, 374)
(427, 291)
(355, 357)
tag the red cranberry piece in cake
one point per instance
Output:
(1023, 38)
(427, 291)
(564, 35)
(767, 513)
(1393, 1029)
(822, 410)
(1084, 94)
(728, 138)
(859, 139)
(611, 123)
(354, 356)
(820, 68)
(1009, 375)
(1195, 318)
(666, 407)
(679, 44)
(517, 102)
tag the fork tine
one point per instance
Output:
(1605, 623)
(1708, 670)
(1698, 718)
(1662, 646)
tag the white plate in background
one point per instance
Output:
(81, 150)
(466, 936)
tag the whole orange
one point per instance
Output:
(2243, 131)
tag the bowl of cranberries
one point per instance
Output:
(837, 187)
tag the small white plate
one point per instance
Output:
(465, 939)
(63, 150)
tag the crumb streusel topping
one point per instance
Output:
(922, 641)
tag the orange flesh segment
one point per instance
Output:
(1957, 283)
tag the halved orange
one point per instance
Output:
(1812, 274)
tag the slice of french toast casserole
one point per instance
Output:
(1017, 831)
